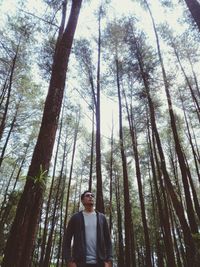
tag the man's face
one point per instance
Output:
(88, 199)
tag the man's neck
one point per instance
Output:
(89, 209)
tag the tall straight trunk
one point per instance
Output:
(194, 75)
(91, 154)
(175, 170)
(194, 152)
(48, 205)
(195, 142)
(50, 241)
(139, 183)
(6, 192)
(155, 211)
(3, 120)
(75, 200)
(164, 223)
(21, 166)
(12, 125)
(190, 246)
(4, 90)
(54, 215)
(120, 246)
(129, 234)
(162, 208)
(4, 210)
(176, 246)
(111, 181)
(167, 220)
(189, 242)
(22, 235)
(178, 148)
(194, 193)
(194, 97)
(99, 193)
(61, 231)
(179, 239)
(71, 171)
(194, 7)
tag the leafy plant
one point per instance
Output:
(40, 179)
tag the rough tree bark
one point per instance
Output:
(20, 243)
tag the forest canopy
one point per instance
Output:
(101, 96)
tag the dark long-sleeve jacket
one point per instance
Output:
(76, 230)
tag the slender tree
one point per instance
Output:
(178, 147)
(133, 134)
(130, 257)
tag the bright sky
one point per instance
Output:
(86, 26)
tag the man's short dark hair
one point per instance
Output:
(82, 195)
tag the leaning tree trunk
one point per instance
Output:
(162, 209)
(4, 90)
(71, 171)
(12, 125)
(178, 148)
(194, 152)
(194, 97)
(194, 74)
(194, 7)
(3, 120)
(189, 242)
(22, 236)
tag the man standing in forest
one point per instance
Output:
(91, 238)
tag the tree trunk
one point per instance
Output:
(3, 90)
(9, 134)
(194, 8)
(2, 125)
(129, 234)
(162, 209)
(190, 246)
(21, 240)
(92, 153)
(120, 246)
(194, 152)
(54, 216)
(177, 250)
(179, 151)
(99, 197)
(71, 171)
(139, 183)
(48, 205)
(196, 103)
(21, 165)
(111, 181)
